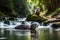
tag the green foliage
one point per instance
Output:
(55, 12)
(33, 17)
(13, 7)
(32, 5)
(20, 7)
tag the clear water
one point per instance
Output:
(42, 34)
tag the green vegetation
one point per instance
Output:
(13, 7)
(47, 9)
(23, 8)
(55, 12)
(33, 17)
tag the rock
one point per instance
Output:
(11, 18)
(56, 25)
(33, 26)
(26, 27)
(33, 31)
(7, 22)
(22, 27)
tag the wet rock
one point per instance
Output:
(33, 31)
(26, 27)
(7, 22)
(11, 18)
(22, 27)
(56, 25)
(31, 28)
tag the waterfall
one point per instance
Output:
(48, 27)
(21, 19)
(2, 27)
(36, 23)
(42, 23)
(42, 26)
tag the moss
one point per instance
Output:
(28, 17)
(33, 17)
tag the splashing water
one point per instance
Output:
(3, 38)
(48, 27)
(42, 26)
(21, 19)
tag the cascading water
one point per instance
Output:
(49, 26)
(26, 23)
(21, 19)
(3, 25)
(42, 23)
(41, 26)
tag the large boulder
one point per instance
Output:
(26, 26)
(31, 27)
(22, 27)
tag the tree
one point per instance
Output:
(20, 6)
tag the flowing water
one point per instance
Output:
(42, 33)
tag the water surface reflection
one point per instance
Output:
(42, 34)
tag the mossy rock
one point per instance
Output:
(33, 17)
